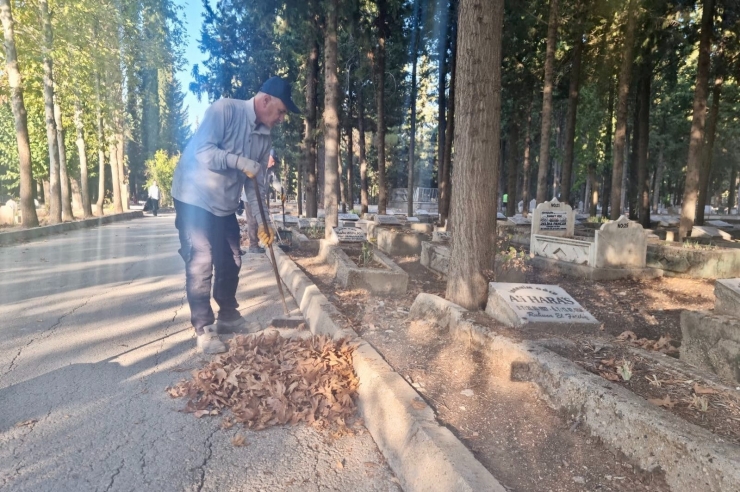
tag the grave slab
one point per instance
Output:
(347, 235)
(441, 236)
(387, 220)
(621, 243)
(435, 256)
(705, 231)
(711, 342)
(289, 219)
(719, 223)
(727, 297)
(7, 217)
(520, 220)
(518, 305)
(349, 217)
(399, 242)
(421, 227)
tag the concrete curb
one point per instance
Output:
(691, 457)
(424, 455)
(597, 274)
(37, 232)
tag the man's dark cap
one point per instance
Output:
(280, 88)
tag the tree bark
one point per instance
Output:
(115, 177)
(380, 101)
(512, 168)
(620, 135)
(350, 155)
(66, 196)
(82, 151)
(544, 162)
(101, 150)
(708, 151)
(607, 176)
(331, 118)
(526, 166)
(445, 190)
(414, 88)
(309, 136)
(643, 145)
(658, 179)
(478, 126)
(693, 166)
(570, 127)
(55, 201)
(441, 92)
(631, 184)
(732, 196)
(363, 155)
(20, 118)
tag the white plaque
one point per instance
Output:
(348, 235)
(520, 304)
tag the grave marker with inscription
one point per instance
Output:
(620, 243)
(347, 235)
(387, 220)
(554, 219)
(521, 304)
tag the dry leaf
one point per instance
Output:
(609, 375)
(627, 335)
(665, 402)
(201, 413)
(339, 465)
(26, 423)
(239, 441)
(704, 390)
(418, 404)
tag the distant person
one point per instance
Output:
(505, 200)
(228, 153)
(154, 197)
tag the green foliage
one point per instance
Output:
(161, 168)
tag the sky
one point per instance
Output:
(192, 10)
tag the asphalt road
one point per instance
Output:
(94, 325)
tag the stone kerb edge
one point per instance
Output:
(424, 455)
(691, 456)
(43, 231)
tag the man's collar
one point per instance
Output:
(252, 116)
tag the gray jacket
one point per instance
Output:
(210, 173)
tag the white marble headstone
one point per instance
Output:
(7, 217)
(520, 304)
(553, 218)
(347, 235)
(387, 220)
(620, 243)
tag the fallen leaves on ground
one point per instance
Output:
(268, 380)
(26, 423)
(665, 402)
(238, 441)
(703, 390)
(663, 344)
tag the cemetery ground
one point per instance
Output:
(516, 435)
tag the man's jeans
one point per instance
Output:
(155, 206)
(208, 243)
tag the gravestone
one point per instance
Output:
(500, 216)
(413, 220)
(7, 217)
(719, 223)
(347, 235)
(289, 219)
(727, 297)
(554, 219)
(387, 220)
(705, 231)
(349, 217)
(521, 304)
(441, 236)
(520, 206)
(520, 220)
(532, 205)
(620, 243)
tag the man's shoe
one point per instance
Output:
(209, 343)
(256, 249)
(231, 326)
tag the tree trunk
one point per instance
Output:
(512, 168)
(570, 127)
(331, 118)
(706, 167)
(446, 180)
(66, 196)
(122, 174)
(380, 101)
(349, 197)
(414, 88)
(631, 184)
(20, 118)
(526, 166)
(693, 166)
(55, 201)
(544, 163)
(607, 176)
(476, 172)
(363, 156)
(442, 92)
(732, 196)
(592, 196)
(620, 135)
(643, 145)
(658, 179)
(76, 193)
(101, 151)
(115, 177)
(82, 151)
(309, 136)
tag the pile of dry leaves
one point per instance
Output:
(662, 345)
(269, 380)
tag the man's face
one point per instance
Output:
(273, 111)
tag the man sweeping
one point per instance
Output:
(228, 153)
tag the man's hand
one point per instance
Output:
(248, 167)
(266, 234)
